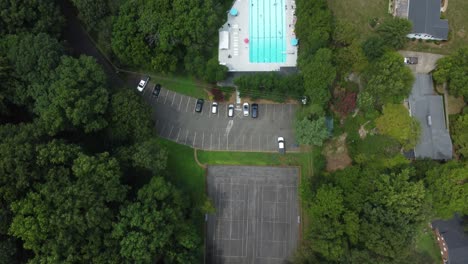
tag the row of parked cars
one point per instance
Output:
(246, 109)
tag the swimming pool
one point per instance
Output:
(267, 31)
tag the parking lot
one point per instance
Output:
(257, 214)
(176, 120)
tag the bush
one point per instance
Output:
(345, 103)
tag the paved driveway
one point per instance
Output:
(176, 120)
(426, 61)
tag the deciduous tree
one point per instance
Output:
(32, 16)
(154, 228)
(319, 75)
(76, 97)
(448, 186)
(311, 132)
(452, 69)
(394, 30)
(388, 79)
(397, 123)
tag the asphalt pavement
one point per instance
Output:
(176, 120)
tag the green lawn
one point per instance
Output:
(358, 13)
(184, 85)
(427, 248)
(304, 159)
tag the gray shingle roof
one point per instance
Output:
(425, 15)
(435, 142)
(455, 237)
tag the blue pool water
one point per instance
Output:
(267, 30)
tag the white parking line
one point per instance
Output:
(170, 132)
(186, 136)
(165, 98)
(194, 137)
(173, 99)
(219, 141)
(178, 133)
(188, 101)
(227, 141)
(251, 142)
(203, 140)
(180, 103)
(282, 111)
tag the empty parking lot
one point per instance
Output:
(176, 120)
(257, 215)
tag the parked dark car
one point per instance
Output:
(156, 90)
(254, 110)
(199, 106)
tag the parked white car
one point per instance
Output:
(245, 109)
(143, 82)
(214, 108)
(281, 147)
(231, 110)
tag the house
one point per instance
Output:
(428, 108)
(425, 16)
(452, 240)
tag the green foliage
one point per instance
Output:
(374, 47)
(460, 135)
(130, 119)
(453, 69)
(154, 228)
(328, 229)
(448, 185)
(319, 74)
(8, 85)
(313, 26)
(32, 16)
(68, 218)
(388, 79)
(374, 150)
(270, 86)
(366, 216)
(34, 58)
(365, 101)
(7, 250)
(165, 34)
(76, 97)
(149, 155)
(311, 132)
(214, 71)
(393, 31)
(397, 123)
(350, 59)
(91, 11)
(17, 161)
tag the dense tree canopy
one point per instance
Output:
(33, 57)
(394, 30)
(311, 132)
(153, 229)
(76, 97)
(91, 11)
(130, 119)
(319, 75)
(68, 218)
(272, 86)
(448, 185)
(165, 34)
(388, 79)
(313, 27)
(452, 69)
(397, 123)
(460, 134)
(367, 215)
(30, 15)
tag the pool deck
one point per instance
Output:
(236, 58)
